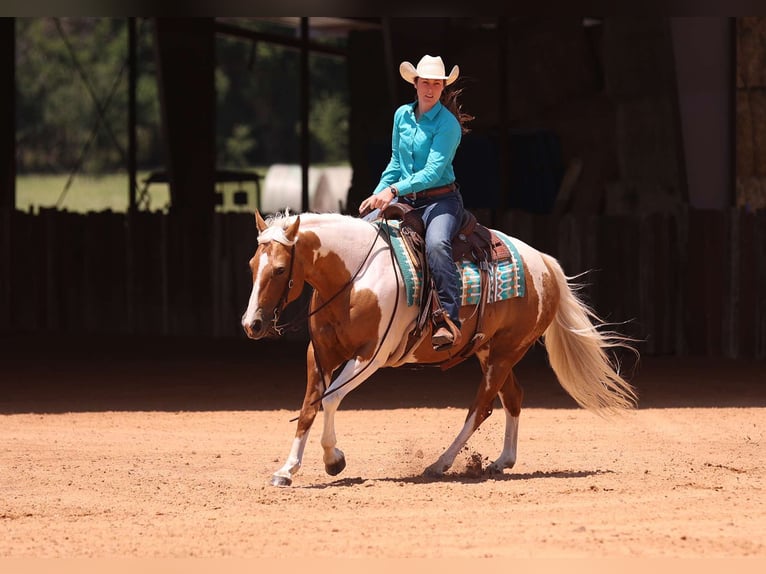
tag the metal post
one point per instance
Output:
(503, 32)
(7, 163)
(132, 114)
(130, 291)
(304, 113)
(8, 113)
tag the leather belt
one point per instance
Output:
(432, 192)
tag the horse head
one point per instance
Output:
(274, 276)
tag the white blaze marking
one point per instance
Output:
(252, 304)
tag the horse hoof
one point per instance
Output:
(494, 470)
(435, 471)
(277, 480)
(336, 467)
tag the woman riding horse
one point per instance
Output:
(359, 321)
(425, 137)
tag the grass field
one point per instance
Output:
(101, 193)
(85, 193)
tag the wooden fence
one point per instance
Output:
(690, 283)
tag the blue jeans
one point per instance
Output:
(442, 217)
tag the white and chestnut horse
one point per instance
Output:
(359, 322)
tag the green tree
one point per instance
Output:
(259, 86)
(329, 127)
(72, 95)
(62, 63)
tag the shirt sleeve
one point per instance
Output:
(393, 171)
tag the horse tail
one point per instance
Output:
(579, 345)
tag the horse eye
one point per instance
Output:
(279, 270)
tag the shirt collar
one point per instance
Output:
(430, 114)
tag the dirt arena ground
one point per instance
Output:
(164, 449)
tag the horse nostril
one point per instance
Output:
(253, 323)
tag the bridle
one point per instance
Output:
(282, 302)
(293, 325)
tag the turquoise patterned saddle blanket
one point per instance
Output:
(506, 278)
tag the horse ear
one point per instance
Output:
(259, 222)
(292, 231)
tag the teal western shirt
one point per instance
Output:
(421, 152)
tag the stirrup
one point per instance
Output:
(441, 341)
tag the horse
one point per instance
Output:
(359, 321)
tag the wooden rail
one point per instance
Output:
(690, 283)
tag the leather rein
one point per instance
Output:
(293, 325)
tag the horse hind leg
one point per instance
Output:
(475, 417)
(493, 379)
(511, 395)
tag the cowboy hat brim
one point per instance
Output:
(409, 73)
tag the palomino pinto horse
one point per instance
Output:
(359, 320)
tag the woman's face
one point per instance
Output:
(429, 92)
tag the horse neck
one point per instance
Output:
(331, 248)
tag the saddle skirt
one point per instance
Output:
(476, 250)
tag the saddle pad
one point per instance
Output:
(506, 278)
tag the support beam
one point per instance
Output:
(186, 74)
(305, 99)
(132, 151)
(703, 60)
(7, 114)
(7, 161)
(503, 95)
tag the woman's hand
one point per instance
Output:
(377, 201)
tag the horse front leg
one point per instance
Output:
(284, 476)
(351, 376)
(334, 459)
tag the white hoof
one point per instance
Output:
(277, 480)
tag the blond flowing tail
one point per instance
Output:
(578, 346)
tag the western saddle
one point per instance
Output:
(473, 242)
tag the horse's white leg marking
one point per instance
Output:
(252, 304)
(293, 463)
(507, 458)
(448, 456)
(333, 457)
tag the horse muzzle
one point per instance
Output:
(255, 327)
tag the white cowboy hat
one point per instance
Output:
(429, 67)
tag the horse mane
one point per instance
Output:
(309, 219)
(279, 219)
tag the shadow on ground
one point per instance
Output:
(50, 374)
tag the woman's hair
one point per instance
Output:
(450, 100)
